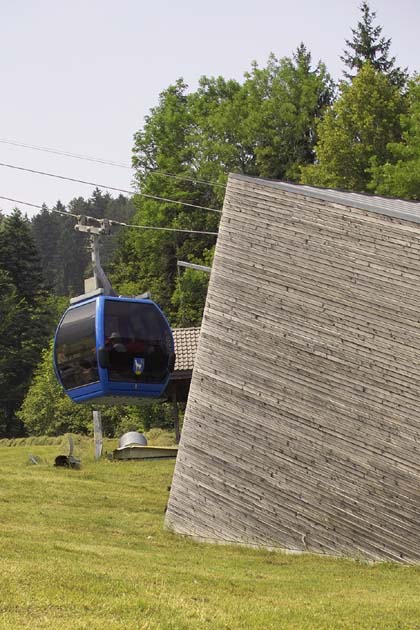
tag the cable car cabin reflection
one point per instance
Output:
(114, 350)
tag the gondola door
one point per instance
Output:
(137, 347)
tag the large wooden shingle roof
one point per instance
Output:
(302, 428)
(397, 208)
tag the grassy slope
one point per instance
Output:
(87, 549)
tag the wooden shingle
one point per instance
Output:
(186, 342)
(302, 429)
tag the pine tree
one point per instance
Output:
(368, 45)
(31, 324)
(46, 227)
(10, 313)
(19, 256)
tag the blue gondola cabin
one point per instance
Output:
(113, 350)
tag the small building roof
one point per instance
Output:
(186, 342)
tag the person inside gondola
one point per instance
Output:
(119, 363)
(115, 343)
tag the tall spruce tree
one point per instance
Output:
(19, 256)
(31, 325)
(368, 45)
(46, 227)
(10, 313)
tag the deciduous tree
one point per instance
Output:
(357, 129)
(264, 126)
(285, 100)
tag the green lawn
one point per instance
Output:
(87, 549)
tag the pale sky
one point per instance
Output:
(80, 76)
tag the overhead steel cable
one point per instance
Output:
(165, 229)
(77, 156)
(112, 222)
(129, 192)
(90, 158)
(25, 203)
(187, 179)
(36, 205)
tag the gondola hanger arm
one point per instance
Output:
(96, 228)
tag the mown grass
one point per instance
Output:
(87, 549)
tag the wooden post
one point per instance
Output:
(175, 415)
(97, 433)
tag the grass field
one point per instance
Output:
(87, 549)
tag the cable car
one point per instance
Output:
(113, 350)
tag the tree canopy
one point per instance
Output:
(356, 130)
(264, 126)
(399, 176)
